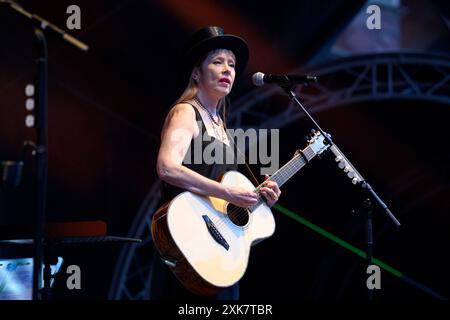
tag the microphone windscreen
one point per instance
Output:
(258, 79)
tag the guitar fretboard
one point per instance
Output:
(287, 171)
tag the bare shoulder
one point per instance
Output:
(182, 115)
(183, 110)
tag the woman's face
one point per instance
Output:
(216, 74)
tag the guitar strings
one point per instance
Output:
(239, 212)
(285, 172)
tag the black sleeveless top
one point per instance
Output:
(207, 156)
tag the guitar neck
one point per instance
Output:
(293, 166)
(288, 170)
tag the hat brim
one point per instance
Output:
(230, 42)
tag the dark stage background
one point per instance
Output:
(106, 108)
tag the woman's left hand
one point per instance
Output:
(270, 191)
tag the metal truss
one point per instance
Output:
(372, 77)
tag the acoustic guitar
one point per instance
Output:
(206, 241)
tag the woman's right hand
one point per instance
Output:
(240, 197)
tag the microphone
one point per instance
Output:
(260, 79)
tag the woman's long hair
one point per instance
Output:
(192, 88)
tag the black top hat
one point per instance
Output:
(210, 38)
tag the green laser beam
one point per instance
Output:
(335, 239)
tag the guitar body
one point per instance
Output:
(205, 242)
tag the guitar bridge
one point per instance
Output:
(215, 233)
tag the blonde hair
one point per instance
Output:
(192, 88)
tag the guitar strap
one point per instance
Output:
(247, 167)
(252, 176)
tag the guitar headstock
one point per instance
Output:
(316, 142)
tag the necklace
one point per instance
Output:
(215, 123)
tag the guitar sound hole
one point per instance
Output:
(239, 216)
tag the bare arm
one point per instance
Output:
(179, 129)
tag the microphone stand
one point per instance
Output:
(40, 149)
(345, 165)
(40, 22)
(41, 158)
